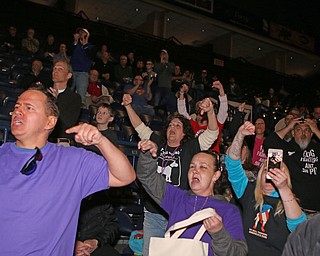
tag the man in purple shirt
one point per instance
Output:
(42, 184)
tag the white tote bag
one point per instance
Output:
(175, 246)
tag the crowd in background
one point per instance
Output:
(89, 78)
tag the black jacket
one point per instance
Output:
(69, 104)
(97, 220)
(30, 79)
(304, 166)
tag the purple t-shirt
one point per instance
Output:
(180, 205)
(39, 212)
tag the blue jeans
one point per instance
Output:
(80, 84)
(165, 97)
(143, 110)
(154, 225)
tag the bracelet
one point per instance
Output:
(289, 200)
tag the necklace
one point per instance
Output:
(196, 201)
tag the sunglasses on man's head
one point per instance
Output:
(31, 165)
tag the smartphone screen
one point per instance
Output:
(274, 160)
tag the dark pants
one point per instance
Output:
(105, 250)
(165, 97)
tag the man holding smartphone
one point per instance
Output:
(81, 61)
(302, 156)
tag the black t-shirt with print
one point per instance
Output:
(304, 167)
(266, 234)
(173, 164)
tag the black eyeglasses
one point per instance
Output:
(31, 165)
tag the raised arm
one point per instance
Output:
(236, 174)
(282, 133)
(144, 131)
(121, 172)
(237, 120)
(148, 87)
(132, 90)
(153, 183)
(206, 105)
(133, 116)
(313, 126)
(208, 137)
(223, 108)
(235, 149)
(181, 102)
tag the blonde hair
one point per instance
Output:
(258, 192)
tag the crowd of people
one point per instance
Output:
(207, 155)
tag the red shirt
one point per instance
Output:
(197, 129)
(94, 89)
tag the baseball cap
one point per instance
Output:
(164, 51)
(84, 30)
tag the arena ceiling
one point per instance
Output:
(197, 30)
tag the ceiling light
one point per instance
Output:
(203, 30)
(291, 58)
(168, 19)
(314, 65)
(259, 49)
(137, 9)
